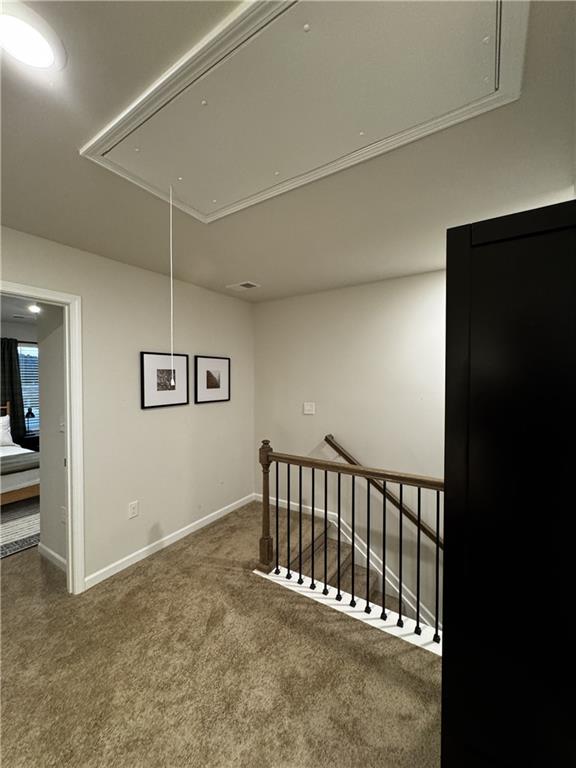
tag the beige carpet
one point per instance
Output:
(189, 659)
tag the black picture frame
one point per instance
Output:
(145, 396)
(198, 398)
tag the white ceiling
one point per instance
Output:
(15, 305)
(341, 83)
(384, 217)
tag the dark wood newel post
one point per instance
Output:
(266, 546)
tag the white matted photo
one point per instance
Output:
(161, 383)
(212, 379)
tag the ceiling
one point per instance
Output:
(15, 305)
(384, 217)
(227, 132)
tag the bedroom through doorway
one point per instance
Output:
(33, 450)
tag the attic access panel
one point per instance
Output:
(283, 94)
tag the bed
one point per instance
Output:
(19, 470)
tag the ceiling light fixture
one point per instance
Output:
(35, 309)
(29, 39)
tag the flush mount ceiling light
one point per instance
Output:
(26, 37)
(35, 309)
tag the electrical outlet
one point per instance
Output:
(133, 509)
(63, 515)
(309, 409)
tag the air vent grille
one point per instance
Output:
(245, 285)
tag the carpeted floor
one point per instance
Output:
(188, 660)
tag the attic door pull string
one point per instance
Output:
(172, 382)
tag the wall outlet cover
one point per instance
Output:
(133, 509)
(309, 409)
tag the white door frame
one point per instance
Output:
(72, 305)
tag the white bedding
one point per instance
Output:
(18, 479)
(12, 450)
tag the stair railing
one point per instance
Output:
(373, 478)
(427, 530)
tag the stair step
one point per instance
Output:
(331, 560)
(360, 582)
(294, 534)
(392, 603)
(317, 546)
(307, 549)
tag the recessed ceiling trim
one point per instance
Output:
(237, 29)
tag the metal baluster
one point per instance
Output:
(367, 609)
(384, 615)
(288, 574)
(300, 579)
(418, 629)
(312, 582)
(436, 637)
(353, 601)
(325, 590)
(339, 596)
(400, 621)
(277, 569)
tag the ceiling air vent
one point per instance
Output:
(246, 285)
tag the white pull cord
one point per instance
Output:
(172, 382)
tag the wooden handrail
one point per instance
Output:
(417, 481)
(375, 483)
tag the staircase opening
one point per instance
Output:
(365, 541)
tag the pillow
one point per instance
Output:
(5, 434)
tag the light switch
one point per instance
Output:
(309, 409)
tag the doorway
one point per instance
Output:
(46, 416)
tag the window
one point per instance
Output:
(28, 358)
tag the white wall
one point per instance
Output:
(372, 359)
(181, 463)
(51, 362)
(20, 331)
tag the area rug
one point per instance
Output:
(19, 526)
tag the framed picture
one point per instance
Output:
(212, 379)
(161, 385)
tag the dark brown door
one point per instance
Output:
(510, 550)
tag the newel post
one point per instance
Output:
(266, 546)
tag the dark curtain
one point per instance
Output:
(12, 388)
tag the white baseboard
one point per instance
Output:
(166, 541)
(49, 554)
